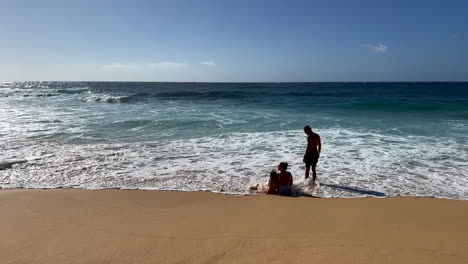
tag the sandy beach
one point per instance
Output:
(121, 226)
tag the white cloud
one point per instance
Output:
(165, 65)
(208, 63)
(379, 48)
(121, 66)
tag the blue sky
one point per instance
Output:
(234, 40)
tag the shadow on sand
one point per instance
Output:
(355, 190)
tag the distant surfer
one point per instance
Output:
(312, 152)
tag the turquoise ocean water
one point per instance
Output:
(381, 139)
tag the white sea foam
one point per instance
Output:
(353, 163)
(106, 98)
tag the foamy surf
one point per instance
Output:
(107, 99)
(352, 164)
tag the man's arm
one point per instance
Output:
(319, 145)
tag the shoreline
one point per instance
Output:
(254, 194)
(134, 226)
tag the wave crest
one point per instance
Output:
(108, 99)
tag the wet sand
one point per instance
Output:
(121, 226)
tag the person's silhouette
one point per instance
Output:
(312, 153)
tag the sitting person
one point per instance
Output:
(285, 179)
(273, 183)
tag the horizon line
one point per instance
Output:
(2, 81)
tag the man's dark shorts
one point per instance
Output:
(311, 159)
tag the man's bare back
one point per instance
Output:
(313, 143)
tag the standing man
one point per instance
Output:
(312, 152)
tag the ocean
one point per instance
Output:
(378, 139)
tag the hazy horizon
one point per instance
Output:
(107, 81)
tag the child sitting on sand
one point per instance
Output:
(273, 183)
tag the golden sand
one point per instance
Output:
(118, 226)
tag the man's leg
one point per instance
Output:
(307, 171)
(314, 174)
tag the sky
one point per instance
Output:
(234, 41)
